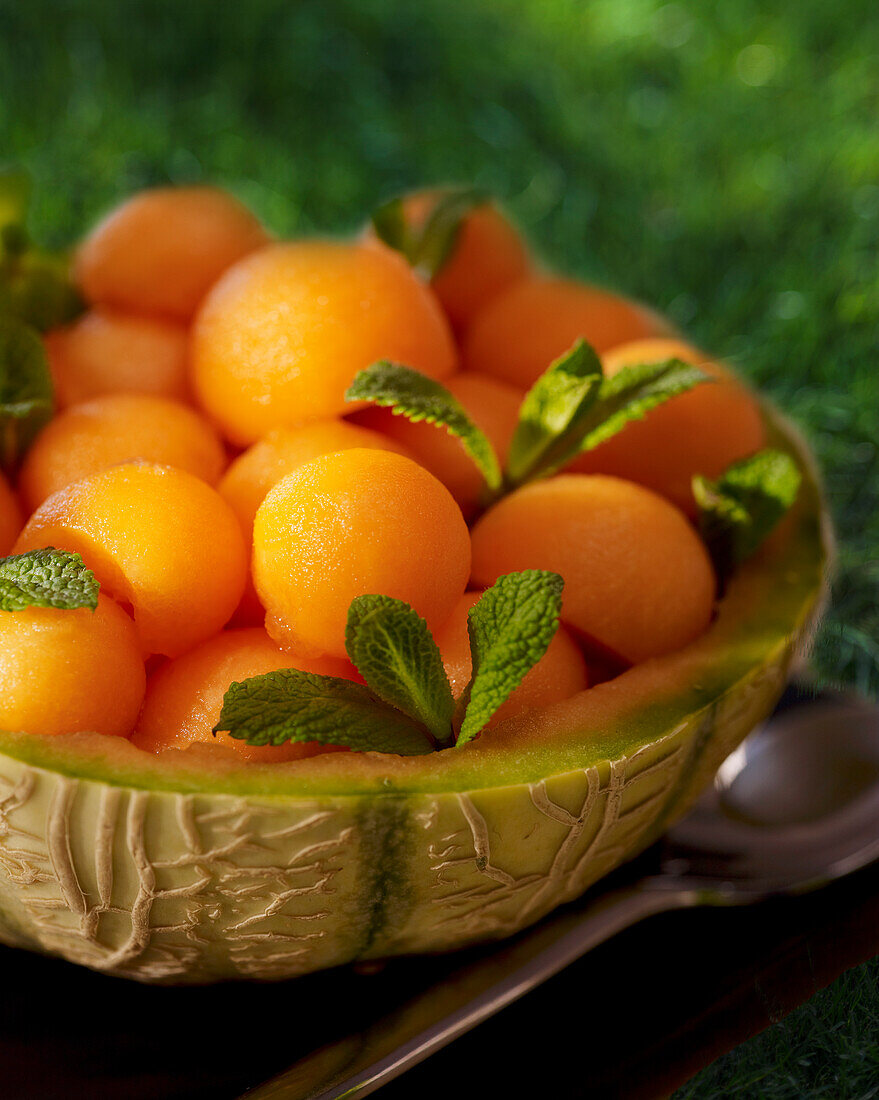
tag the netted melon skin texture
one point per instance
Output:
(187, 888)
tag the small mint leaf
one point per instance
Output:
(572, 408)
(510, 629)
(390, 645)
(739, 509)
(25, 389)
(291, 705)
(632, 392)
(552, 409)
(390, 226)
(439, 235)
(46, 578)
(413, 395)
(427, 247)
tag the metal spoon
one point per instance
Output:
(794, 808)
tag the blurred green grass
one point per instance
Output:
(720, 161)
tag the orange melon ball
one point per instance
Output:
(114, 429)
(10, 517)
(70, 671)
(160, 251)
(253, 473)
(519, 333)
(159, 540)
(348, 524)
(185, 696)
(108, 352)
(493, 407)
(560, 673)
(488, 256)
(282, 335)
(700, 432)
(638, 581)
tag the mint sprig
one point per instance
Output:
(406, 706)
(47, 578)
(429, 246)
(570, 409)
(25, 389)
(291, 705)
(738, 510)
(394, 652)
(573, 408)
(412, 394)
(552, 408)
(510, 629)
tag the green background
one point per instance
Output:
(718, 160)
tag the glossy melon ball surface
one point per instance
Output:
(493, 406)
(106, 351)
(559, 674)
(160, 251)
(638, 580)
(65, 671)
(159, 540)
(253, 473)
(10, 517)
(115, 429)
(282, 335)
(699, 432)
(185, 696)
(256, 470)
(519, 333)
(349, 524)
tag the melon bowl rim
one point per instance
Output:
(193, 868)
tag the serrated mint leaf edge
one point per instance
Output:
(579, 371)
(418, 687)
(511, 587)
(244, 714)
(382, 383)
(18, 590)
(728, 523)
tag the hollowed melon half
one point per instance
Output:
(192, 868)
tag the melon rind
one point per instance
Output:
(193, 871)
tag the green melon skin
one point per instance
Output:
(187, 869)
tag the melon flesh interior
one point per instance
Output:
(192, 867)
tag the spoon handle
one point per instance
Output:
(359, 1064)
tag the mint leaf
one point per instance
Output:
(439, 235)
(427, 247)
(629, 395)
(46, 578)
(632, 392)
(392, 648)
(25, 389)
(739, 509)
(413, 395)
(552, 408)
(290, 705)
(510, 629)
(389, 225)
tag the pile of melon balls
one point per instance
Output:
(206, 465)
